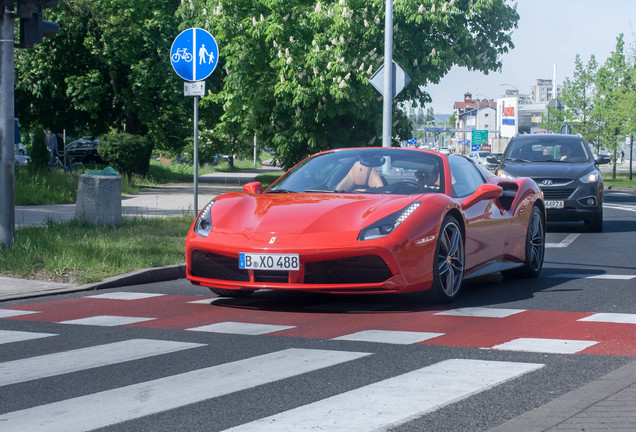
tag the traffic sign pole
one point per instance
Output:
(196, 65)
(387, 107)
(196, 155)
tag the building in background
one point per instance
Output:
(543, 91)
(478, 114)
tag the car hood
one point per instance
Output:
(536, 170)
(302, 213)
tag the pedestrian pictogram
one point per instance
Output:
(194, 54)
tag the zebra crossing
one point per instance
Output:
(492, 328)
(382, 404)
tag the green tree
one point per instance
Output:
(609, 79)
(107, 67)
(578, 97)
(626, 107)
(296, 73)
(554, 119)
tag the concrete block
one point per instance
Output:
(99, 199)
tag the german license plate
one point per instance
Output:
(256, 261)
(554, 204)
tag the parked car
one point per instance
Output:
(369, 220)
(83, 150)
(566, 171)
(481, 157)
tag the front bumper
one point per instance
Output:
(581, 201)
(377, 268)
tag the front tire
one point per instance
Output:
(596, 223)
(449, 262)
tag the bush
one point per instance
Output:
(40, 155)
(128, 154)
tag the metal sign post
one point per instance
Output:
(390, 79)
(194, 55)
(387, 108)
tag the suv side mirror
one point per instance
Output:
(493, 160)
(602, 159)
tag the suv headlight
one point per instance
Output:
(591, 177)
(503, 174)
(203, 225)
(387, 225)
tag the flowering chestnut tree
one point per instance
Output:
(296, 72)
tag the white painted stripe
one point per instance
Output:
(106, 320)
(481, 312)
(342, 306)
(389, 336)
(620, 207)
(564, 243)
(617, 318)
(207, 300)
(9, 313)
(8, 336)
(552, 346)
(231, 327)
(86, 358)
(394, 401)
(125, 296)
(592, 276)
(228, 300)
(118, 405)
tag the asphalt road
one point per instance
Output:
(183, 359)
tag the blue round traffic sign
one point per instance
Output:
(194, 54)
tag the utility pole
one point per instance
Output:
(32, 29)
(7, 128)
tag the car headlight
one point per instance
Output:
(387, 225)
(591, 177)
(203, 225)
(503, 174)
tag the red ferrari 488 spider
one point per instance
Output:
(369, 220)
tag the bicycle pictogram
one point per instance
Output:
(182, 53)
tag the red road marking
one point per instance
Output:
(175, 312)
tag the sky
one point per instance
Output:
(549, 32)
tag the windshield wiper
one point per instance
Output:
(319, 191)
(517, 160)
(281, 191)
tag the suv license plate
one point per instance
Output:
(256, 261)
(554, 204)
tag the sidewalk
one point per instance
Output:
(167, 200)
(605, 404)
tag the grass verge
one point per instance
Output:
(83, 253)
(622, 180)
(54, 186)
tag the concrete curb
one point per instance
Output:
(30, 289)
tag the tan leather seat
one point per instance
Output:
(360, 177)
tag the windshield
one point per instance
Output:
(565, 150)
(365, 170)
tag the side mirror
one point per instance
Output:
(493, 160)
(253, 188)
(603, 159)
(484, 192)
